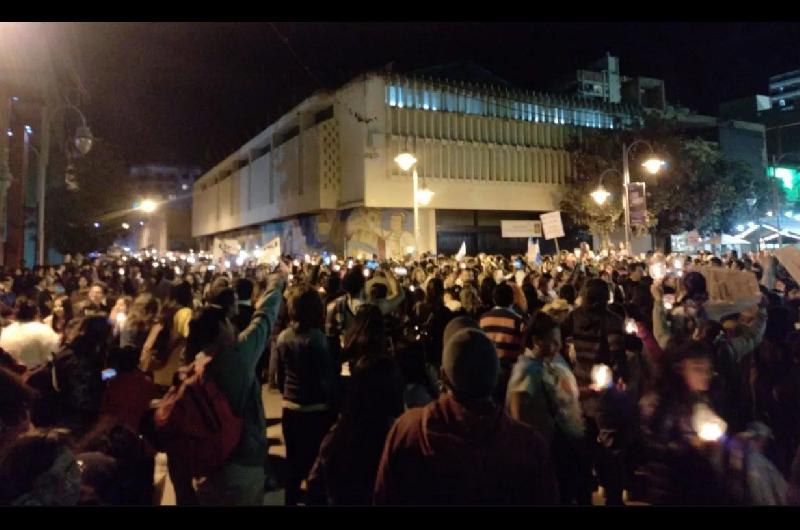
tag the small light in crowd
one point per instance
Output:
(227, 264)
(156, 264)
(121, 271)
(29, 129)
(333, 258)
(184, 187)
(667, 305)
(349, 264)
(177, 270)
(769, 213)
(630, 326)
(337, 268)
(240, 261)
(412, 288)
(121, 317)
(9, 132)
(559, 268)
(296, 263)
(148, 206)
(410, 250)
(97, 225)
(740, 228)
(126, 249)
(366, 273)
(291, 277)
(190, 260)
(321, 290)
(601, 376)
(124, 258)
(125, 226)
(307, 258)
(707, 424)
(462, 265)
(14, 98)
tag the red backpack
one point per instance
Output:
(195, 422)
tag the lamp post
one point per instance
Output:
(421, 196)
(653, 165)
(82, 141)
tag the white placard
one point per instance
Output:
(521, 228)
(551, 225)
(790, 259)
(272, 251)
(729, 291)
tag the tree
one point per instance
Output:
(699, 189)
(104, 194)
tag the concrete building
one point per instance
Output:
(323, 175)
(784, 89)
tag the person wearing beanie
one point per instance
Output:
(599, 339)
(463, 449)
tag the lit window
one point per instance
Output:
(392, 96)
(782, 102)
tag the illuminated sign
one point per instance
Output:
(790, 179)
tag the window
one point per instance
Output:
(782, 102)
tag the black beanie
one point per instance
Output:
(456, 325)
(470, 363)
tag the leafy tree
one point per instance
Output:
(104, 194)
(698, 190)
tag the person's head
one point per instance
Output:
(25, 309)
(305, 310)
(353, 281)
(544, 335)
(181, 294)
(694, 287)
(244, 289)
(503, 295)
(707, 331)
(470, 366)
(16, 400)
(225, 299)
(378, 290)
(211, 332)
(567, 292)
(92, 335)
(458, 324)
(716, 262)
(693, 365)
(470, 299)
(83, 282)
(144, 309)
(375, 391)
(96, 294)
(434, 291)
(596, 293)
(635, 271)
(366, 337)
(40, 469)
(487, 291)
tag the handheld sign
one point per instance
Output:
(551, 225)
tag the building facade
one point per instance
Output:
(323, 176)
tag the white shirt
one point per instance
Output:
(29, 342)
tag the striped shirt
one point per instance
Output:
(506, 329)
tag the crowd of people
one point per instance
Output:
(423, 381)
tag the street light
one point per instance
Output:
(653, 165)
(148, 206)
(421, 196)
(601, 194)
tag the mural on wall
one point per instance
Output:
(366, 231)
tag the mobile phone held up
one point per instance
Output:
(372, 265)
(107, 374)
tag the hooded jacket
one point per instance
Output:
(447, 454)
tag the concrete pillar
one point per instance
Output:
(5, 171)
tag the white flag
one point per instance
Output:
(462, 252)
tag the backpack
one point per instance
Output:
(195, 422)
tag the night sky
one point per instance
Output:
(194, 92)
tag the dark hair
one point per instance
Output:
(487, 291)
(716, 261)
(568, 293)
(204, 329)
(25, 309)
(306, 311)
(503, 295)
(375, 390)
(16, 398)
(244, 289)
(539, 326)
(378, 291)
(596, 293)
(353, 282)
(366, 337)
(27, 458)
(434, 291)
(181, 293)
(224, 297)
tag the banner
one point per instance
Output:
(272, 251)
(790, 259)
(729, 291)
(637, 202)
(551, 225)
(521, 228)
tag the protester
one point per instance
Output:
(27, 339)
(429, 453)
